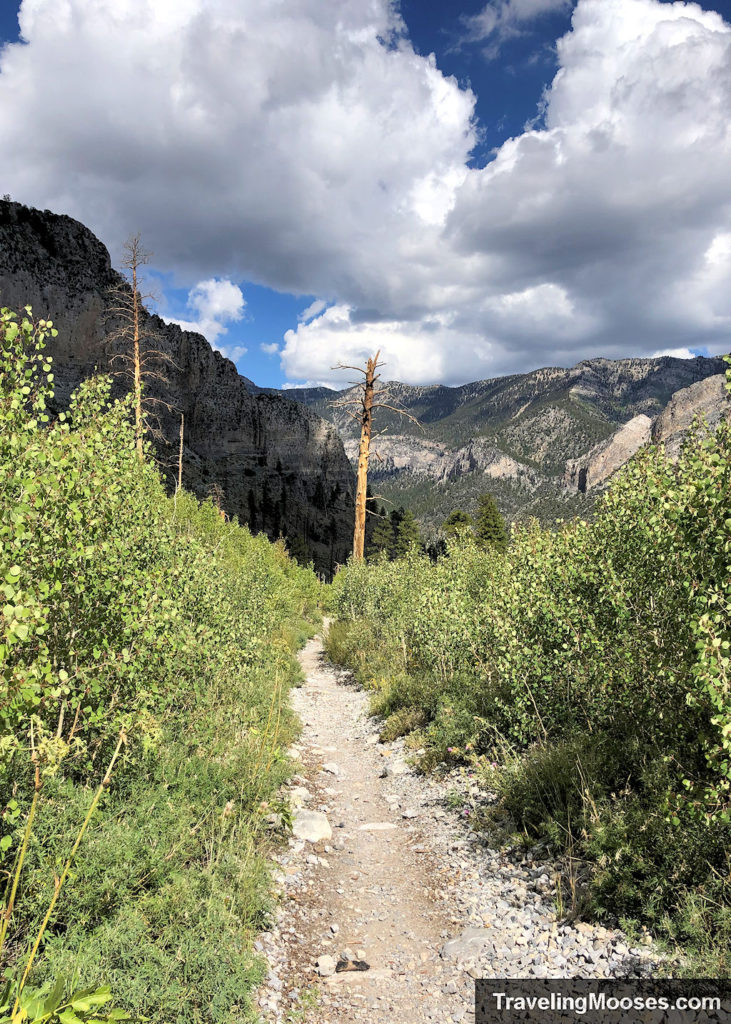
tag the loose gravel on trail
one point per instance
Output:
(382, 869)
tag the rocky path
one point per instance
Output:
(383, 871)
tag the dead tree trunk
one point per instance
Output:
(367, 401)
(127, 315)
(180, 453)
(364, 454)
(139, 423)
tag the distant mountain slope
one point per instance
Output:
(281, 467)
(512, 435)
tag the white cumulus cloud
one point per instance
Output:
(676, 353)
(284, 143)
(312, 310)
(306, 146)
(214, 304)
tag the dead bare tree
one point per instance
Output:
(141, 363)
(180, 453)
(369, 397)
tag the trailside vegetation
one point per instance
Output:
(584, 673)
(146, 650)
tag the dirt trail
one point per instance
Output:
(398, 881)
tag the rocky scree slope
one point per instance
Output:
(540, 441)
(281, 467)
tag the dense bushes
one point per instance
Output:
(591, 662)
(130, 613)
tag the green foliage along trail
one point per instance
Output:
(585, 674)
(129, 614)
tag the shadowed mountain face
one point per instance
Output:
(281, 468)
(527, 438)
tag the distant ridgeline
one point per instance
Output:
(276, 465)
(542, 442)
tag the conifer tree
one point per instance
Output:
(407, 534)
(141, 363)
(369, 397)
(457, 522)
(382, 538)
(298, 549)
(251, 500)
(490, 528)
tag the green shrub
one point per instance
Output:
(592, 662)
(127, 611)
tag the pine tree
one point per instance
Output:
(266, 507)
(490, 528)
(251, 499)
(318, 498)
(456, 523)
(382, 538)
(298, 549)
(127, 318)
(366, 397)
(407, 534)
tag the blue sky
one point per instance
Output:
(426, 207)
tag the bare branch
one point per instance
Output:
(352, 415)
(341, 403)
(346, 366)
(401, 412)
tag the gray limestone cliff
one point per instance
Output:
(703, 403)
(604, 459)
(281, 467)
(542, 442)
(706, 400)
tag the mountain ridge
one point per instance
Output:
(517, 435)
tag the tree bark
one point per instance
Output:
(364, 454)
(180, 454)
(139, 428)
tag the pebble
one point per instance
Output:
(326, 965)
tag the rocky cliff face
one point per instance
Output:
(604, 459)
(281, 467)
(707, 400)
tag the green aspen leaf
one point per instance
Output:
(69, 1017)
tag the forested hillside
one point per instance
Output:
(146, 655)
(514, 435)
(583, 675)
